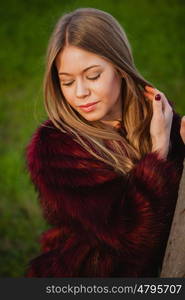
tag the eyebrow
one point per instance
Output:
(64, 73)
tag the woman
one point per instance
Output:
(108, 162)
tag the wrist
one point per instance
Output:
(162, 154)
(162, 149)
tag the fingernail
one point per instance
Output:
(157, 97)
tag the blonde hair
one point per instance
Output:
(100, 33)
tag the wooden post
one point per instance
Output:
(174, 259)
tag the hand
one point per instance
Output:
(182, 129)
(161, 122)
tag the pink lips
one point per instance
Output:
(88, 107)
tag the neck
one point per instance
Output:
(113, 123)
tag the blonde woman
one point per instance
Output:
(108, 161)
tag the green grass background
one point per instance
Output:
(156, 30)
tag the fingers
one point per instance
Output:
(183, 122)
(149, 89)
(182, 129)
(150, 94)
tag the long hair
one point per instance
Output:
(99, 32)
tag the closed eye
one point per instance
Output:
(94, 78)
(90, 78)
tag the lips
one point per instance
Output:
(89, 107)
(88, 104)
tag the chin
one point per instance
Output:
(91, 117)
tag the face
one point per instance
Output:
(90, 84)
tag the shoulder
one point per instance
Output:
(56, 157)
(47, 134)
(51, 149)
(49, 140)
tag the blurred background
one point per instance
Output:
(156, 30)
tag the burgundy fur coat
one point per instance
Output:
(103, 224)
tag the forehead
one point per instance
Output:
(73, 59)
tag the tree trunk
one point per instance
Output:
(174, 259)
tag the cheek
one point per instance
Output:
(67, 95)
(112, 89)
(103, 88)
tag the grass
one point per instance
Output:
(156, 32)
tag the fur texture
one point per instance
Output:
(104, 224)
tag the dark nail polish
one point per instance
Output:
(158, 97)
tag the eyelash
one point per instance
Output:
(94, 78)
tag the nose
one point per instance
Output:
(82, 89)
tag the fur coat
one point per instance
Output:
(103, 224)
